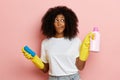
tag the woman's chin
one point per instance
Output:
(60, 32)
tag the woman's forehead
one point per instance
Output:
(60, 16)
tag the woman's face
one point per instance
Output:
(59, 24)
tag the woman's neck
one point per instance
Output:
(59, 35)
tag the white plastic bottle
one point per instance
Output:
(95, 44)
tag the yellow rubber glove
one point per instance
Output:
(85, 46)
(26, 54)
(36, 60)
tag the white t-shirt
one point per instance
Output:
(61, 55)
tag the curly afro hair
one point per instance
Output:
(71, 21)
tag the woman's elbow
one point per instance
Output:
(80, 64)
(45, 71)
(80, 68)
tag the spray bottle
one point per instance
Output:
(95, 43)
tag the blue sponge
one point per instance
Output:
(28, 50)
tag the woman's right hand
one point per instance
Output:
(27, 55)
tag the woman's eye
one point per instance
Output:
(62, 20)
(56, 20)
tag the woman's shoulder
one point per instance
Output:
(46, 40)
(77, 39)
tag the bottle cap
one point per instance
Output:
(95, 29)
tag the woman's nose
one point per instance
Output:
(59, 23)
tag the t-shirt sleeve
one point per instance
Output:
(43, 52)
(79, 45)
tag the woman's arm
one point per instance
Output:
(46, 68)
(80, 64)
(84, 51)
(28, 53)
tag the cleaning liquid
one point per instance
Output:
(95, 44)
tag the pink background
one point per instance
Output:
(20, 24)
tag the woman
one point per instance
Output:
(61, 48)
(61, 54)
